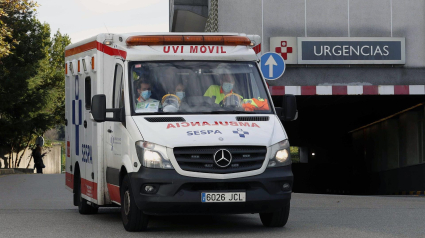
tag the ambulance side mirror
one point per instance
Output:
(98, 107)
(289, 111)
(98, 110)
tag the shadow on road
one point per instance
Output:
(215, 224)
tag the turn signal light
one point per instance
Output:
(188, 40)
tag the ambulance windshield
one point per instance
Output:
(183, 87)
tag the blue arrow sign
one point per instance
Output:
(272, 65)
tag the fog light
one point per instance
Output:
(286, 186)
(149, 188)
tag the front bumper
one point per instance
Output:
(179, 194)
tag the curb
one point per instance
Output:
(16, 171)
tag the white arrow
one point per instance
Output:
(270, 62)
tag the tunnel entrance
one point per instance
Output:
(358, 144)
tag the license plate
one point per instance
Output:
(223, 197)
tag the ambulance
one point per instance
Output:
(175, 123)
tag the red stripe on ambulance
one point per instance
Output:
(96, 45)
(81, 48)
(89, 188)
(111, 51)
(114, 193)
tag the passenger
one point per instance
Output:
(144, 102)
(172, 102)
(227, 81)
(180, 91)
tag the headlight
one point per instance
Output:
(152, 155)
(280, 155)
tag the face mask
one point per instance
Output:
(227, 87)
(170, 108)
(180, 95)
(146, 94)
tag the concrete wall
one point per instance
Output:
(52, 160)
(335, 18)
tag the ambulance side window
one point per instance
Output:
(87, 88)
(118, 95)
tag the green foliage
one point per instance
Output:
(11, 9)
(31, 83)
(295, 154)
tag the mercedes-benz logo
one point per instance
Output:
(222, 158)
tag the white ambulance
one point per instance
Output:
(164, 123)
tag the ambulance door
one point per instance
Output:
(113, 134)
(117, 127)
(88, 188)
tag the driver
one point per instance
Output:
(144, 102)
(227, 81)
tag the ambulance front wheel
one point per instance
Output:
(133, 219)
(277, 218)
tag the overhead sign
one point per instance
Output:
(351, 50)
(340, 50)
(272, 65)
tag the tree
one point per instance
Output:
(8, 8)
(31, 84)
(49, 91)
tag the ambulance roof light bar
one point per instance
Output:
(188, 40)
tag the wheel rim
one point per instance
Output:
(127, 202)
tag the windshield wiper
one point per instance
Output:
(231, 112)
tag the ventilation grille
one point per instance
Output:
(165, 119)
(259, 118)
(201, 158)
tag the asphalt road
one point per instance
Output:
(40, 206)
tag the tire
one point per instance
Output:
(83, 207)
(133, 219)
(276, 219)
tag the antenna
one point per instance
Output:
(106, 28)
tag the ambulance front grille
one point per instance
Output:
(201, 158)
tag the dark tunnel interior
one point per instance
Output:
(328, 127)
